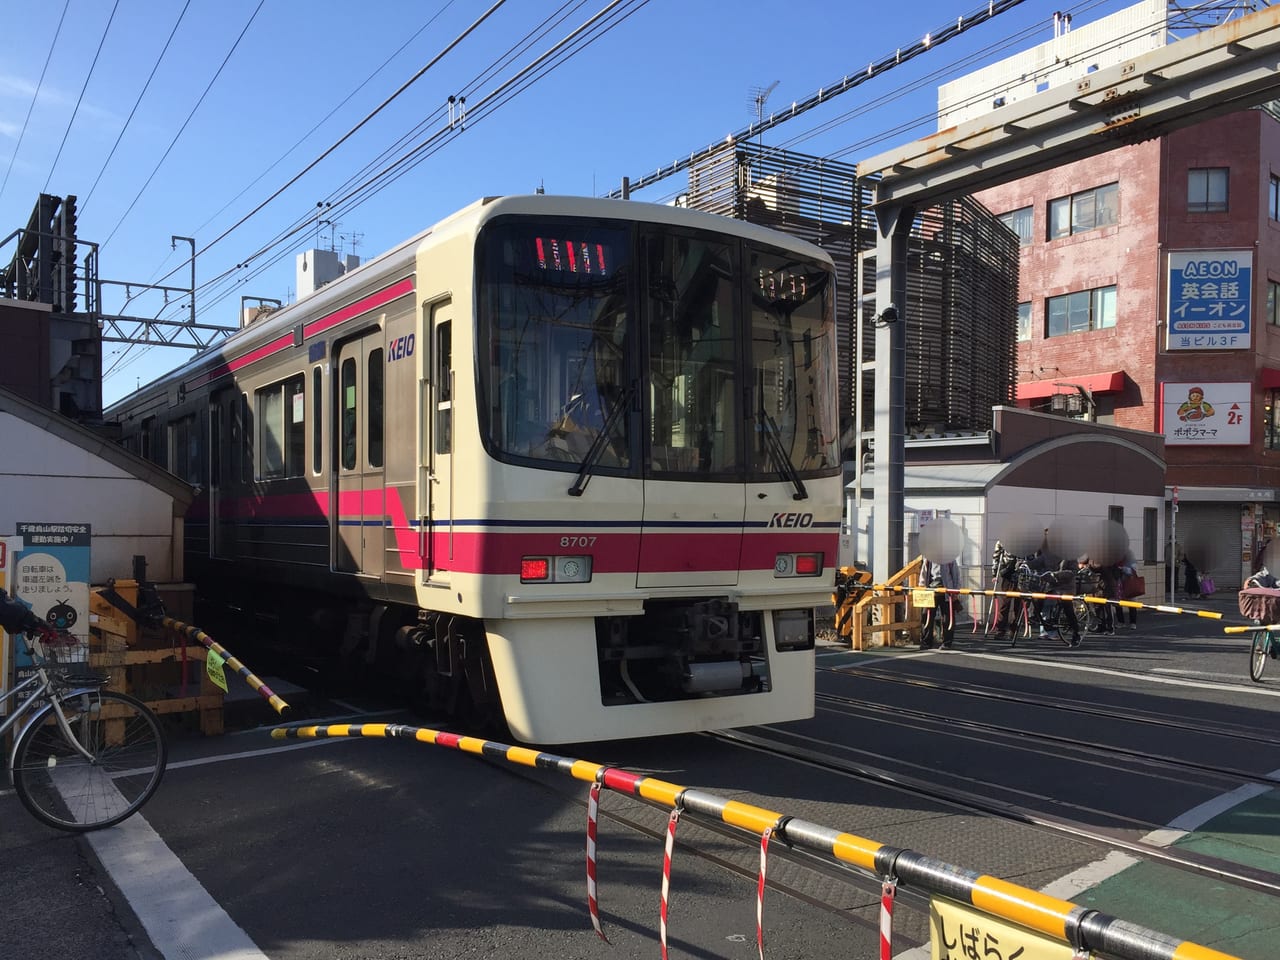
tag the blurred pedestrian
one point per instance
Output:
(938, 627)
(1105, 576)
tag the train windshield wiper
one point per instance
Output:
(773, 443)
(594, 451)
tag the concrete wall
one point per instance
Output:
(45, 478)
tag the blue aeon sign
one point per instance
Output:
(1210, 299)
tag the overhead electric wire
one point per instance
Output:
(84, 202)
(305, 222)
(34, 97)
(345, 100)
(168, 149)
(80, 99)
(568, 46)
(436, 59)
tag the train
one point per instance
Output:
(566, 464)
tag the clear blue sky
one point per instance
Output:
(250, 92)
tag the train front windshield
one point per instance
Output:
(622, 346)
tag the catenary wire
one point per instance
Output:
(112, 152)
(176, 136)
(35, 96)
(80, 99)
(549, 60)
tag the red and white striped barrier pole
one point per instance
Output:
(593, 904)
(666, 873)
(888, 890)
(764, 858)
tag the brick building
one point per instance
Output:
(1149, 298)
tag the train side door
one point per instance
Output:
(225, 431)
(438, 444)
(216, 455)
(359, 524)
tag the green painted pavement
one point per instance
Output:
(1242, 922)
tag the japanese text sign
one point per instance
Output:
(1207, 413)
(1210, 299)
(959, 932)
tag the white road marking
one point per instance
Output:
(183, 921)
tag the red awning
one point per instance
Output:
(1094, 383)
(1269, 378)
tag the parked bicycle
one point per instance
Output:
(84, 757)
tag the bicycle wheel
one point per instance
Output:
(67, 791)
(1258, 653)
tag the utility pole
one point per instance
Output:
(173, 245)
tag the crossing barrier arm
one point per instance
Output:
(1081, 928)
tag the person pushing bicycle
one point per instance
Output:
(17, 617)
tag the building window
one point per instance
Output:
(1271, 426)
(1273, 206)
(1081, 311)
(1086, 210)
(1150, 549)
(1019, 221)
(1273, 302)
(282, 439)
(1207, 190)
(1024, 321)
(1115, 513)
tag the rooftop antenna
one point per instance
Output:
(758, 97)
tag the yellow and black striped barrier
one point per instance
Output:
(1080, 928)
(195, 633)
(1250, 627)
(1019, 594)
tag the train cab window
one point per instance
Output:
(373, 384)
(281, 412)
(794, 422)
(692, 300)
(317, 420)
(554, 329)
(347, 418)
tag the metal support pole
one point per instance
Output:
(173, 245)
(893, 228)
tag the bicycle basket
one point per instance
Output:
(64, 656)
(1260, 603)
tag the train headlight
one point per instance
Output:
(797, 565)
(561, 569)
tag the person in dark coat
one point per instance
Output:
(1192, 578)
(16, 617)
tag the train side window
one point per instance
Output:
(240, 434)
(215, 445)
(281, 412)
(184, 449)
(144, 438)
(373, 386)
(347, 425)
(317, 420)
(444, 387)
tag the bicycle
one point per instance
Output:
(1056, 618)
(1259, 601)
(1264, 647)
(85, 758)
